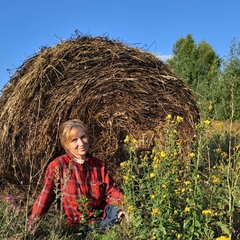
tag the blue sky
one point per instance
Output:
(27, 25)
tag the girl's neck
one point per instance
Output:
(79, 160)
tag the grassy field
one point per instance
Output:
(169, 194)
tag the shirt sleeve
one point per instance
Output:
(113, 194)
(47, 195)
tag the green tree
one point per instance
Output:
(199, 66)
(227, 101)
(184, 58)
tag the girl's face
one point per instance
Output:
(78, 142)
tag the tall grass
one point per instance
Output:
(169, 194)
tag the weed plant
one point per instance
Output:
(172, 196)
(169, 194)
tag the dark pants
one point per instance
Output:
(111, 216)
(110, 219)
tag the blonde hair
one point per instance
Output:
(65, 129)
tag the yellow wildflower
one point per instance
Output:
(127, 139)
(130, 209)
(207, 212)
(152, 196)
(187, 182)
(223, 238)
(169, 116)
(125, 178)
(155, 212)
(164, 186)
(123, 164)
(134, 140)
(210, 107)
(155, 166)
(176, 191)
(177, 180)
(162, 154)
(153, 237)
(207, 122)
(131, 149)
(179, 119)
(175, 211)
(178, 236)
(215, 179)
(224, 155)
(152, 175)
(192, 154)
(187, 209)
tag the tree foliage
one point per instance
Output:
(215, 82)
(227, 101)
(184, 58)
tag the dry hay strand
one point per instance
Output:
(115, 89)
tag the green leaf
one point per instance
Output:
(186, 223)
(224, 227)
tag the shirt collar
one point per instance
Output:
(81, 161)
(71, 156)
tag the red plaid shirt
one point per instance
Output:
(69, 181)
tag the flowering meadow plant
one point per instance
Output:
(169, 193)
(172, 196)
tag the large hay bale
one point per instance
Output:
(113, 88)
